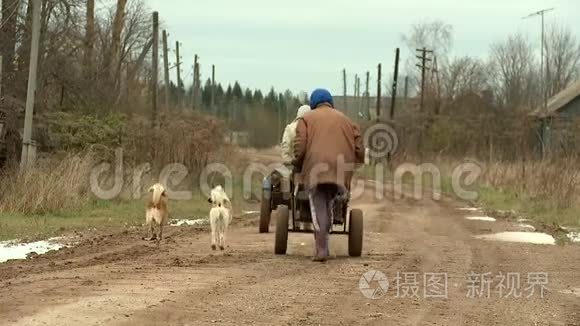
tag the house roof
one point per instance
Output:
(559, 101)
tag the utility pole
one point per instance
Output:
(178, 66)
(345, 102)
(436, 74)
(213, 89)
(424, 68)
(424, 59)
(379, 93)
(356, 93)
(368, 96)
(28, 147)
(406, 91)
(543, 77)
(359, 97)
(395, 80)
(194, 87)
(1, 95)
(155, 68)
(166, 69)
(198, 85)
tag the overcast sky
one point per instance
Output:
(304, 44)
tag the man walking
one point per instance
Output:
(327, 147)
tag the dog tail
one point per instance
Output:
(158, 191)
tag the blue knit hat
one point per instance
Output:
(320, 96)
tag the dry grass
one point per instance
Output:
(52, 185)
(557, 181)
(547, 191)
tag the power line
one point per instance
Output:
(190, 71)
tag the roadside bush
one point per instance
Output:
(186, 138)
(75, 132)
(77, 143)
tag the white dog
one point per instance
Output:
(219, 216)
(157, 212)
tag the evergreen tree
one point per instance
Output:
(237, 91)
(219, 94)
(271, 100)
(229, 94)
(258, 96)
(248, 96)
(206, 93)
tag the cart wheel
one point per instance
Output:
(265, 213)
(282, 215)
(355, 233)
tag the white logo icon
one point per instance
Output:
(373, 285)
(381, 140)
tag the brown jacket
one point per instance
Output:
(327, 147)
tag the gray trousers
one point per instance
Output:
(322, 198)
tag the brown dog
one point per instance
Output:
(157, 213)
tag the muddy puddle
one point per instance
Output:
(14, 250)
(519, 237)
(481, 218)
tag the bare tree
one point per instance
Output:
(115, 51)
(434, 35)
(515, 77)
(463, 75)
(24, 49)
(89, 39)
(10, 9)
(563, 55)
(136, 33)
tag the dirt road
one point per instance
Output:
(118, 279)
